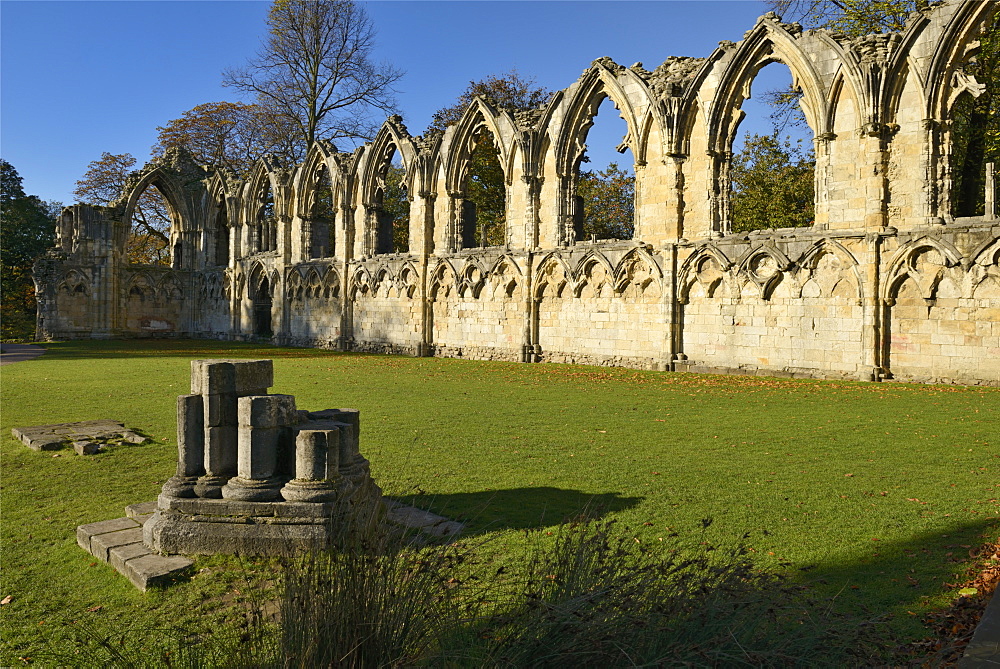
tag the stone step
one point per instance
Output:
(119, 543)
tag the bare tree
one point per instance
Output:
(851, 17)
(316, 70)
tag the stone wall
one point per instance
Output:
(885, 284)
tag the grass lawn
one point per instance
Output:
(874, 493)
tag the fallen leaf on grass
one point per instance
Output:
(7, 600)
(94, 609)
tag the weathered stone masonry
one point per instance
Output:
(885, 284)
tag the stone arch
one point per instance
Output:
(599, 83)
(922, 260)
(75, 282)
(261, 287)
(823, 277)
(708, 268)
(384, 232)
(331, 283)
(263, 205)
(158, 175)
(480, 123)
(763, 266)
(594, 276)
(443, 280)
(219, 223)
(472, 278)
(948, 83)
(596, 84)
(553, 277)
(140, 286)
(952, 51)
(506, 277)
(407, 280)
(318, 195)
(360, 283)
(988, 253)
(637, 276)
(767, 42)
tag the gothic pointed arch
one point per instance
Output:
(553, 277)
(263, 204)
(923, 261)
(477, 159)
(385, 188)
(599, 82)
(318, 188)
(443, 280)
(708, 267)
(767, 42)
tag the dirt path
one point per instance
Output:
(11, 353)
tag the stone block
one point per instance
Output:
(221, 450)
(241, 377)
(148, 570)
(100, 544)
(258, 451)
(86, 447)
(119, 555)
(133, 437)
(141, 511)
(267, 411)
(84, 533)
(220, 409)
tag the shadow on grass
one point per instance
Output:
(520, 508)
(903, 578)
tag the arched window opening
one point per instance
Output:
(604, 201)
(322, 242)
(266, 226)
(148, 241)
(262, 309)
(771, 172)
(221, 235)
(484, 208)
(975, 129)
(392, 208)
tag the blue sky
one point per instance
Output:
(79, 77)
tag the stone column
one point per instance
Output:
(264, 428)
(221, 383)
(317, 464)
(190, 447)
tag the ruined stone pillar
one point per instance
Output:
(264, 431)
(190, 447)
(317, 461)
(990, 212)
(221, 383)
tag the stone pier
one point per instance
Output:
(255, 475)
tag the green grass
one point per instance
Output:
(873, 493)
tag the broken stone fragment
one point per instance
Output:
(133, 437)
(86, 447)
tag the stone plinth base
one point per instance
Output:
(212, 526)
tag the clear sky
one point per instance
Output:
(79, 77)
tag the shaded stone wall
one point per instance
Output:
(884, 284)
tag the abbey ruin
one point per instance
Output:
(886, 283)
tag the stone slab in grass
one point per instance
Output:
(425, 521)
(102, 543)
(141, 512)
(119, 543)
(153, 569)
(86, 533)
(97, 433)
